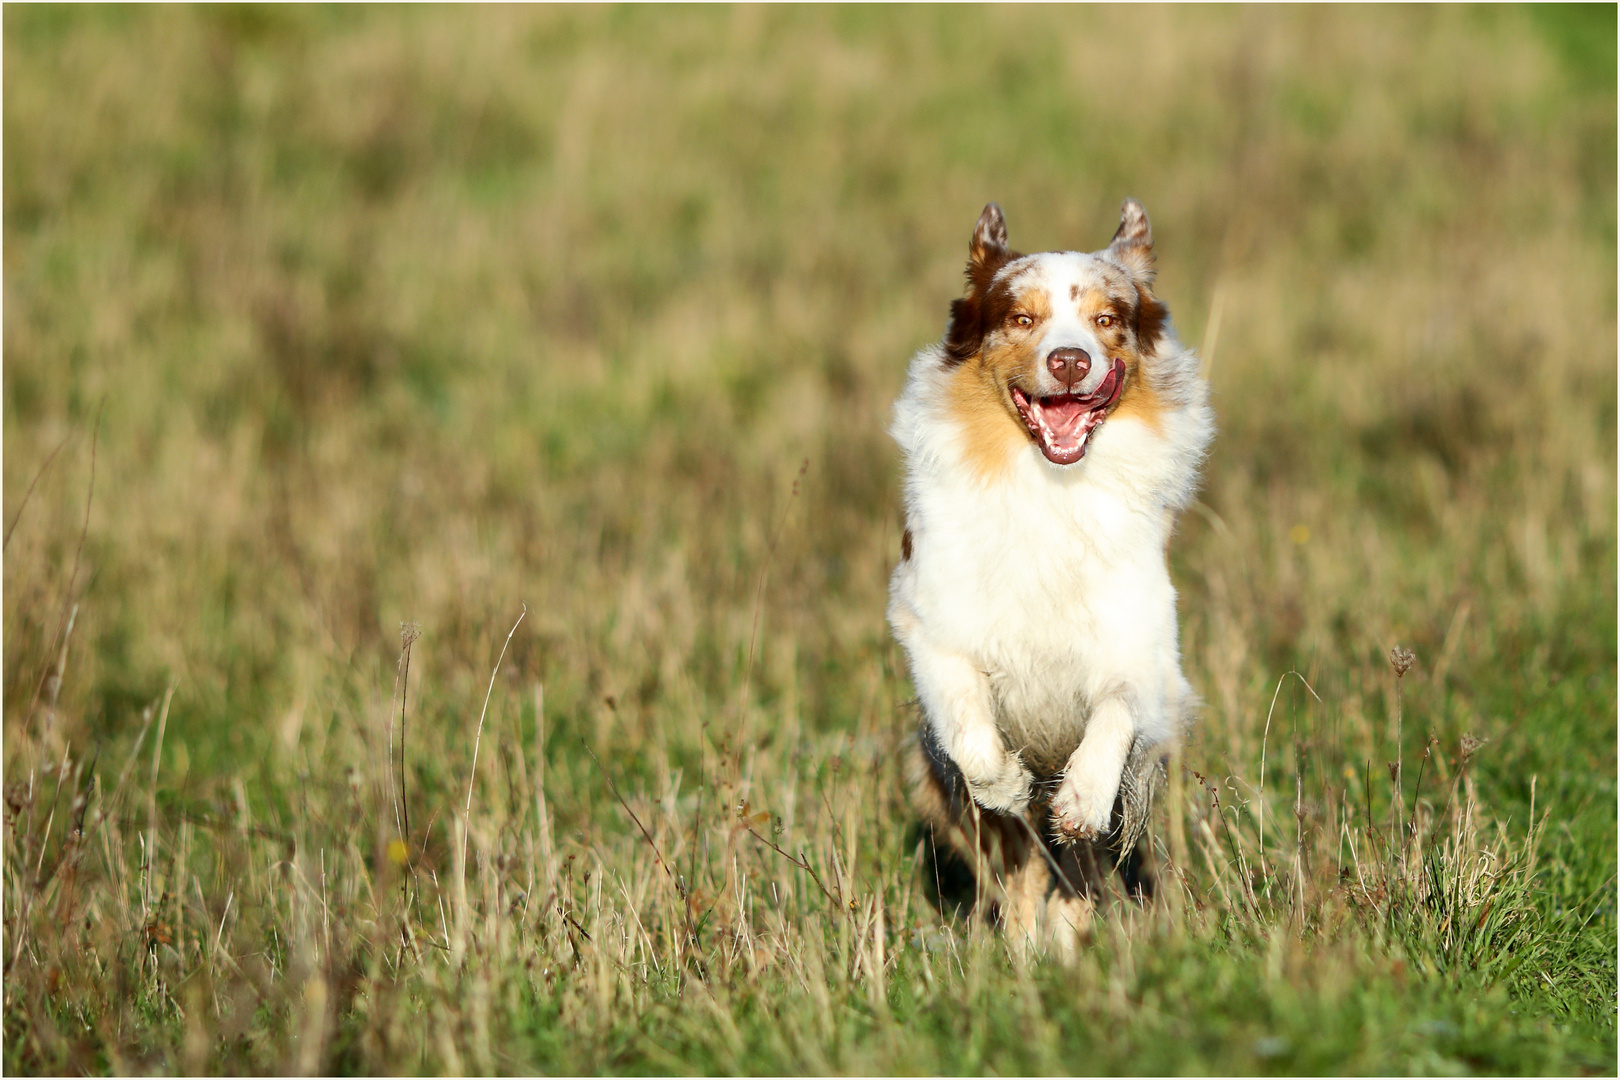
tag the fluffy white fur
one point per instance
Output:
(1036, 607)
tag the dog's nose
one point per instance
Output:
(1069, 366)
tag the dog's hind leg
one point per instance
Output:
(1000, 853)
(1025, 890)
(951, 867)
(1071, 904)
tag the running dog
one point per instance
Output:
(1049, 440)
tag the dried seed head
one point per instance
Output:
(18, 797)
(1470, 745)
(1401, 660)
(1394, 770)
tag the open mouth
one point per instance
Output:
(1062, 424)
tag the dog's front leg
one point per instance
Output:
(1084, 802)
(956, 699)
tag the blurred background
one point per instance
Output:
(320, 321)
(367, 316)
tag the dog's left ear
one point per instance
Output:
(1132, 246)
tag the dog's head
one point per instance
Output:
(1057, 340)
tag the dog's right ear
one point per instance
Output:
(987, 252)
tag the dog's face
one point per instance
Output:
(1056, 341)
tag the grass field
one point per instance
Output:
(586, 322)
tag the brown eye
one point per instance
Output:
(1105, 320)
(1023, 321)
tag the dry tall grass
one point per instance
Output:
(319, 323)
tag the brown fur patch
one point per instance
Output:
(1139, 399)
(905, 545)
(1119, 337)
(984, 308)
(1015, 353)
(991, 435)
(1151, 316)
(1033, 302)
(992, 430)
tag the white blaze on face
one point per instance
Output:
(1066, 277)
(1062, 417)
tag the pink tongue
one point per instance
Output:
(1061, 414)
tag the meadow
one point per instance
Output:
(448, 513)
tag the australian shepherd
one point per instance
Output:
(1050, 439)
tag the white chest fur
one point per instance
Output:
(1048, 582)
(1054, 587)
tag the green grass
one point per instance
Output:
(323, 321)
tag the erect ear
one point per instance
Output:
(1132, 246)
(987, 252)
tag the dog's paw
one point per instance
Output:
(996, 779)
(1007, 791)
(1078, 811)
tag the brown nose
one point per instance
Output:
(1068, 365)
